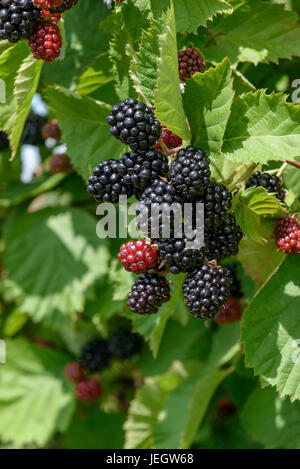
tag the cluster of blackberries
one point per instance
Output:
(94, 357)
(34, 20)
(271, 182)
(163, 186)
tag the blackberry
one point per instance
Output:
(174, 253)
(32, 132)
(169, 139)
(271, 182)
(45, 42)
(230, 312)
(205, 290)
(287, 234)
(141, 168)
(137, 256)
(134, 124)
(73, 371)
(189, 62)
(88, 390)
(151, 222)
(190, 173)
(236, 286)
(223, 241)
(148, 293)
(60, 163)
(124, 344)
(18, 19)
(217, 201)
(47, 4)
(51, 130)
(4, 142)
(106, 183)
(94, 355)
(63, 6)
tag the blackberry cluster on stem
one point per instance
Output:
(271, 182)
(18, 19)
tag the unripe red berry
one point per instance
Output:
(47, 4)
(73, 371)
(88, 390)
(230, 312)
(287, 235)
(137, 256)
(189, 62)
(51, 130)
(169, 139)
(60, 163)
(45, 42)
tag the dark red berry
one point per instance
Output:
(189, 62)
(88, 390)
(226, 408)
(51, 130)
(73, 371)
(47, 4)
(287, 235)
(169, 139)
(63, 6)
(60, 163)
(229, 312)
(137, 256)
(45, 43)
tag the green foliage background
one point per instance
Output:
(62, 284)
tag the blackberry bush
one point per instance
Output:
(94, 355)
(134, 124)
(206, 289)
(137, 256)
(140, 168)
(124, 344)
(271, 182)
(190, 173)
(18, 19)
(107, 183)
(148, 293)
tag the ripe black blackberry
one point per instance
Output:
(32, 132)
(4, 142)
(190, 173)
(179, 258)
(18, 19)
(124, 344)
(217, 201)
(134, 124)
(106, 182)
(141, 168)
(94, 355)
(271, 182)
(148, 293)
(206, 289)
(236, 286)
(224, 240)
(154, 223)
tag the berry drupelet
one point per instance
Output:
(148, 293)
(205, 290)
(140, 168)
(106, 183)
(137, 256)
(287, 235)
(88, 390)
(134, 124)
(270, 182)
(18, 19)
(189, 62)
(190, 173)
(124, 344)
(94, 355)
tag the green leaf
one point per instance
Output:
(14, 323)
(213, 93)
(144, 64)
(87, 432)
(259, 258)
(261, 128)
(96, 75)
(120, 58)
(254, 209)
(272, 420)
(169, 111)
(256, 32)
(270, 328)
(35, 393)
(91, 142)
(52, 257)
(190, 14)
